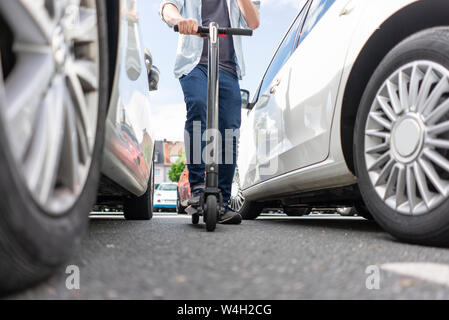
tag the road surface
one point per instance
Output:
(274, 257)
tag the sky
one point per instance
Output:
(168, 102)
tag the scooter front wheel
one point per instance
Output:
(211, 213)
(195, 219)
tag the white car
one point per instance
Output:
(74, 78)
(354, 111)
(165, 196)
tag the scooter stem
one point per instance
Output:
(213, 139)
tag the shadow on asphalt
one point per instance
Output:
(97, 219)
(337, 223)
(326, 222)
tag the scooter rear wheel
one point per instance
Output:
(211, 213)
(195, 219)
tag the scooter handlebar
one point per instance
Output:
(223, 31)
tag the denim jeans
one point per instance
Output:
(194, 86)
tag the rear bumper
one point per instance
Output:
(164, 205)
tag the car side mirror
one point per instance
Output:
(152, 71)
(153, 78)
(148, 60)
(245, 98)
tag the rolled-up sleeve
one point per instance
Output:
(243, 23)
(177, 3)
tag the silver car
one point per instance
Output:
(75, 78)
(354, 111)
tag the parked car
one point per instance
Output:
(183, 192)
(74, 78)
(165, 196)
(353, 110)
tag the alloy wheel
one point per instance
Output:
(237, 198)
(407, 138)
(49, 108)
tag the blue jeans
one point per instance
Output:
(194, 86)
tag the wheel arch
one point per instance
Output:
(404, 23)
(113, 20)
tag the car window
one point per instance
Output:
(284, 51)
(168, 187)
(316, 12)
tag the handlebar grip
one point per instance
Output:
(201, 30)
(236, 32)
(223, 31)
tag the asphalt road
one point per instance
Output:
(271, 258)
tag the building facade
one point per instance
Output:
(166, 153)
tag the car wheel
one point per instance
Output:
(141, 208)
(53, 100)
(402, 140)
(249, 210)
(362, 211)
(179, 207)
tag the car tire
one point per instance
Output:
(141, 208)
(249, 210)
(407, 213)
(34, 240)
(362, 211)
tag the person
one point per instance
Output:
(191, 67)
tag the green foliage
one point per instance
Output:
(176, 169)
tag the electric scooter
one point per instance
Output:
(211, 202)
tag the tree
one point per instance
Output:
(176, 169)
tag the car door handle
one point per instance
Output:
(276, 84)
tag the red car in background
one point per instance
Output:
(183, 192)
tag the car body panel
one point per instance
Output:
(262, 137)
(313, 156)
(310, 98)
(129, 142)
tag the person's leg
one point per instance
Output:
(194, 86)
(230, 121)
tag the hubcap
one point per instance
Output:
(237, 199)
(407, 138)
(50, 106)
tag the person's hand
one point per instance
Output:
(188, 26)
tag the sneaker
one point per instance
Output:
(230, 217)
(195, 197)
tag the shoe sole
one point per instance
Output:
(230, 220)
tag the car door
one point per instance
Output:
(313, 78)
(262, 137)
(129, 136)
